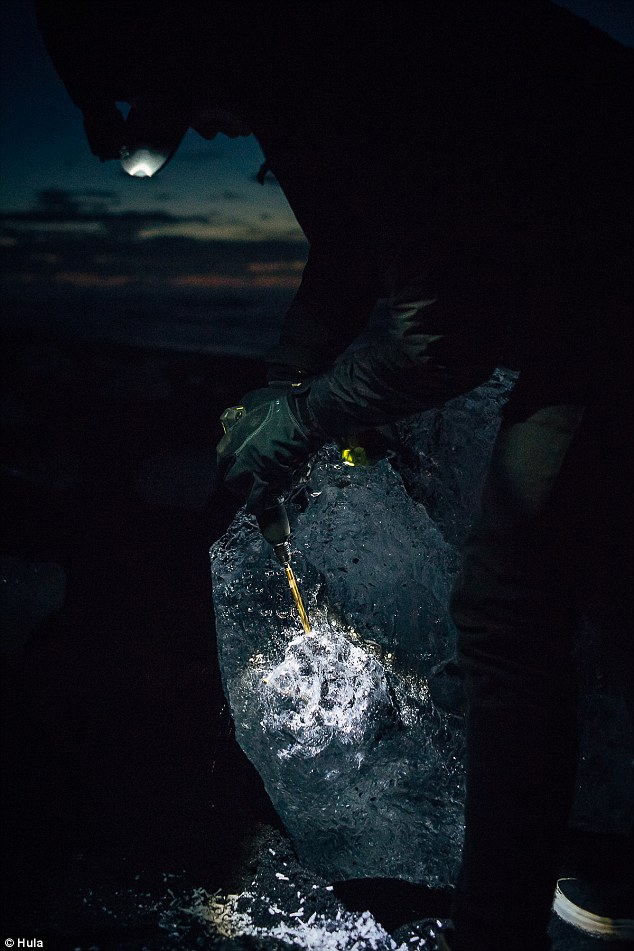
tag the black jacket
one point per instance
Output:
(467, 162)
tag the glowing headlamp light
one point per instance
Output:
(144, 162)
(152, 143)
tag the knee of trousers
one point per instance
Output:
(468, 602)
(510, 578)
(511, 634)
(477, 611)
(503, 590)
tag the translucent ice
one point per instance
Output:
(363, 768)
(360, 753)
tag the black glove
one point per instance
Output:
(262, 447)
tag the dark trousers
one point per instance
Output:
(552, 527)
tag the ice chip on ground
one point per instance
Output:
(359, 744)
(266, 913)
(321, 923)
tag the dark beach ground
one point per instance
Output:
(119, 752)
(121, 774)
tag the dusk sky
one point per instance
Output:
(69, 221)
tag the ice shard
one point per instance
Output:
(356, 727)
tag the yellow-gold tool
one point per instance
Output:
(273, 523)
(299, 604)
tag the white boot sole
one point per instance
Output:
(614, 929)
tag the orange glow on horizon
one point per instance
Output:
(247, 282)
(274, 267)
(260, 276)
(87, 279)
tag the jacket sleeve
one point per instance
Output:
(329, 311)
(438, 345)
(443, 335)
(339, 286)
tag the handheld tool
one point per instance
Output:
(273, 523)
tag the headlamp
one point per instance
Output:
(152, 136)
(144, 162)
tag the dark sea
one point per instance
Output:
(233, 324)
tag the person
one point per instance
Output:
(468, 163)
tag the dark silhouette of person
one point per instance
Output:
(469, 162)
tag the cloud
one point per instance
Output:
(275, 267)
(60, 263)
(84, 212)
(225, 229)
(72, 241)
(104, 194)
(237, 282)
(56, 207)
(96, 280)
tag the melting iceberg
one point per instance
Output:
(362, 765)
(356, 728)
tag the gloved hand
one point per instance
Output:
(260, 450)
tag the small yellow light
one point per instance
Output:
(355, 456)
